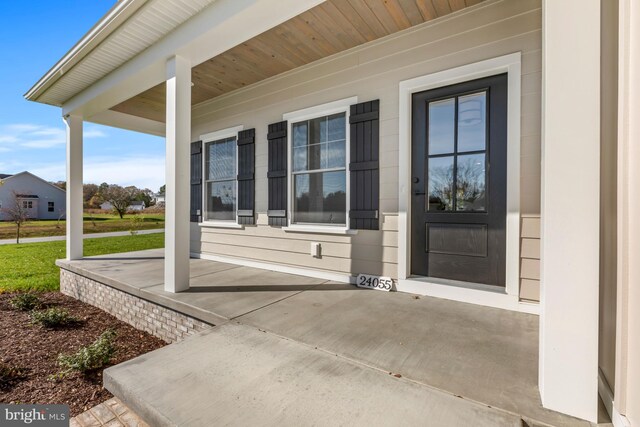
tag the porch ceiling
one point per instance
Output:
(327, 29)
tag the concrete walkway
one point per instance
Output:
(292, 350)
(86, 236)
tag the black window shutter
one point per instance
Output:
(246, 176)
(196, 181)
(277, 174)
(363, 166)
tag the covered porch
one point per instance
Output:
(453, 361)
(268, 58)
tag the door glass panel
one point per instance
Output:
(472, 124)
(440, 197)
(470, 189)
(441, 126)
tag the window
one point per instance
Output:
(220, 180)
(50, 206)
(319, 176)
(457, 153)
(27, 204)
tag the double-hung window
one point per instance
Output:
(220, 179)
(319, 169)
(50, 206)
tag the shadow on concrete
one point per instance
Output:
(270, 288)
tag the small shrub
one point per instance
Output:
(136, 223)
(25, 302)
(91, 357)
(52, 317)
(10, 374)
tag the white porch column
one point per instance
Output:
(178, 138)
(626, 399)
(568, 375)
(74, 187)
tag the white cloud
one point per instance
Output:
(124, 167)
(29, 136)
(143, 172)
(42, 143)
(21, 127)
(94, 133)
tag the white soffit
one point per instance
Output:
(146, 26)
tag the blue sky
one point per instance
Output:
(33, 36)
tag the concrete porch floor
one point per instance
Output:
(291, 349)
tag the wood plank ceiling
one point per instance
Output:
(329, 28)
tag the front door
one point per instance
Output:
(459, 165)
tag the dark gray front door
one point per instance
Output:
(459, 165)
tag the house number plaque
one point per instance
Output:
(378, 283)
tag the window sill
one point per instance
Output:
(212, 224)
(319, 230)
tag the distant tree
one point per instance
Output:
(145, 196)
(119, 197)
(61, 184)
(163, 189)
(96, 201)
(89, 191)
(17, 213)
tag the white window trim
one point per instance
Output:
(207, 138)
(510, 64)
(339, 106)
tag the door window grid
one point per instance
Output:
(448, 123)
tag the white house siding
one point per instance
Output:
(25, 183)
(373, 71)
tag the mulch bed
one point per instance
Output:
(34, 349)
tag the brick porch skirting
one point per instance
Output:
(164, 323)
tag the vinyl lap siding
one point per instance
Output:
(530, 258)
(373, 71)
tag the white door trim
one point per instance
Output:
(510, 64)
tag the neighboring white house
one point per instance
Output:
(136, 205)
(479, 151)
(159, 199)
(41, 199)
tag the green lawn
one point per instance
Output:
(93, 223)
(31, 266)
